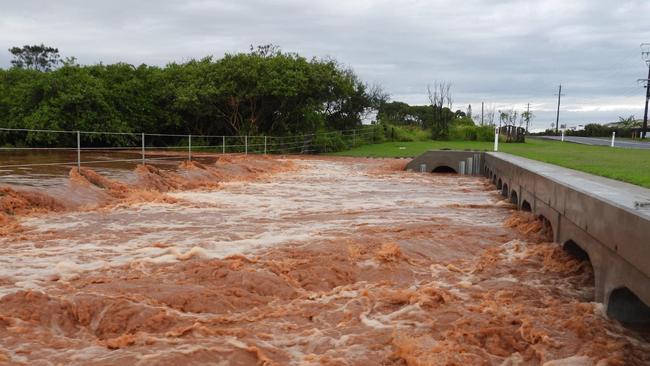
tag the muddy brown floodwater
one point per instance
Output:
(296, 261)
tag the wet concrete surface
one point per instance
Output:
(614, 192)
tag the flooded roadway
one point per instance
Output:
(294, 262)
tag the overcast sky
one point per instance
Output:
(504, 52)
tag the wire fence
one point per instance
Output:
(146, 148)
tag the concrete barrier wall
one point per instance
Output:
(615, 236)
(447, 158)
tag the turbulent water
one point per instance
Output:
(291, 262)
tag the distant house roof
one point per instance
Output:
(617, 124)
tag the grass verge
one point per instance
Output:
(628, 165)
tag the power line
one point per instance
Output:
(631, 92)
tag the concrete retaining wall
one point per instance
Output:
(615, 236)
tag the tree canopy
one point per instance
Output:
(264, 91)
(36, 57)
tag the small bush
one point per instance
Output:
(471, 133)
(330, 142)
(378, 133)
(464, 133)
(484, 133)
(406, 133)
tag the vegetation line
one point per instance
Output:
(628, 165)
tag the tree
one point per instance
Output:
(509, 117)
(36, 57)
(264, 91)
(267, 50)
(489, 115)
(441, 101)
(527, 117)
(399, 113)
(629, 122)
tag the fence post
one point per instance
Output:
(143, 148)
(562, 135)
(496, 139)
(246, 144)
(78, 152)
(613, 138)
(223, 144)
(189, 147)
(264, 145)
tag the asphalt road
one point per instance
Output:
(602, 141)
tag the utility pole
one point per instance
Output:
(645, 54)
(647, 97)
(482, 107)
(557, 117)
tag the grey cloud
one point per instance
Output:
(504, 52)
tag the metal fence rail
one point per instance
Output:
(144, 143)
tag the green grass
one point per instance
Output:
(628, 165)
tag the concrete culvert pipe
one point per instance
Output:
(444, 169)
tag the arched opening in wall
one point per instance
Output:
(444, 169)
(547, 229)
(583, 275)
(575, 251)
(525, 206)
(494, 178)
(499, 184)
(628, 309)
(505, 190)
(514, 198)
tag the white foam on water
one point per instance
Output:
(319, 201)
(571, 361)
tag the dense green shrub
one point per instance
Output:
(406, 133)
(467, 133)
(264, 92)
(485, 133)
(471, 133)
(378, 134)
(329, 142)
(594, 130)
